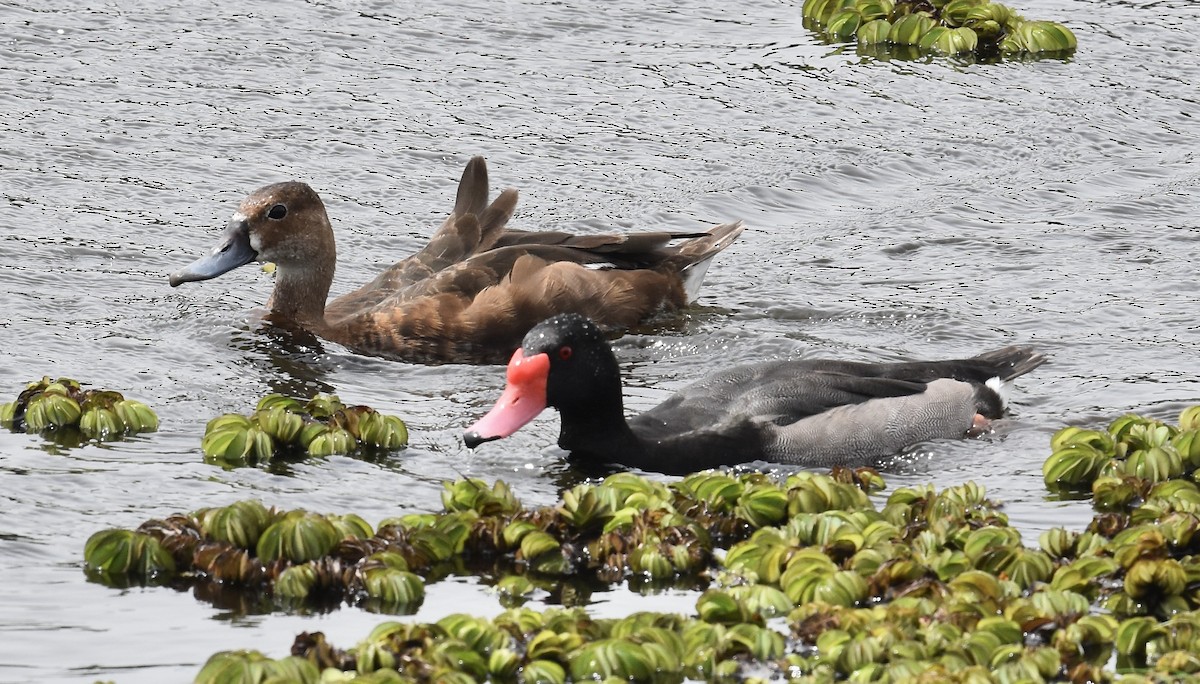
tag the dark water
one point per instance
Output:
(896, 210)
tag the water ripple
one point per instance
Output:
(928, 209)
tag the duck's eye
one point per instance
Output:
(277, 212)
(565, 352)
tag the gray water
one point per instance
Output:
(896, 210)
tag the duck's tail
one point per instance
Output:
(474, 225)
(472, 188)
(472, 200)
(1003, 365)
(696, 254)
(1010, 362)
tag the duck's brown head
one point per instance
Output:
(284, 223)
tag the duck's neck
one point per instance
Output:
(600, 436)
(302, 288)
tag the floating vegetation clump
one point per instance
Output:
(1134, 459)
(62, 406)
(906, 640)
(626, 526)
(282, 427)
(816, 583)
(909, 28)
(292, 556)
(556, 646)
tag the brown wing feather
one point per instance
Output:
(476, 287)
(459, 237)
(429, 329)
(537, 289)
(634, 246)
(481, 307)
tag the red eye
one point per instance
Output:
(564, 353)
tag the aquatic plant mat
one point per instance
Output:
(66, 413)
(803, 578)
(285, 427)
(911, 29)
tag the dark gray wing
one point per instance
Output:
(779, 391)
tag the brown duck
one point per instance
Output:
(474, 290)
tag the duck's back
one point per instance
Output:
(763, 411)
(821, 413)
(479, 308)
(472, 226)
(477, 287)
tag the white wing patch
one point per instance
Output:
(1000, 388)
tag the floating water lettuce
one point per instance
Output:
(127, 554)
(933, 585)
(1122, 465)
(626, 526)
(938, 27)
(283, 426)
(62, 405)
(818, 581)
(294, 555)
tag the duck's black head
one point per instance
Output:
(582, 366)
(564, 362)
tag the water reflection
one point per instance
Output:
(289, 359)
(238, 602)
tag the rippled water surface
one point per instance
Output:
(896, 210)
